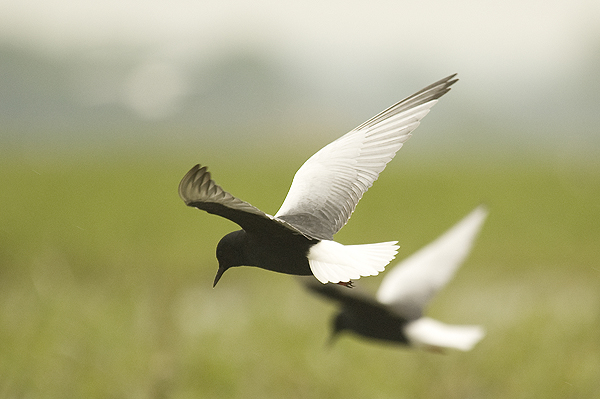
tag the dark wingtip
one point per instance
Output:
(185, 182)
(452, 79)
(196, 176)
(444, 86)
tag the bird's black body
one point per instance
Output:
(362, 315)
(395, 313)
(371, 321)
(283, 251)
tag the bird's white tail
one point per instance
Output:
(429, 333)
(333, 262)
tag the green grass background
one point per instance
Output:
(106, 280)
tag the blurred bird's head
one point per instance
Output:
(230, 252)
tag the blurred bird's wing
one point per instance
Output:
(409, 286)
(198, 190)
(347, 297)
(327, 188)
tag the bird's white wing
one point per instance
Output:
(327, 188)
(409, 286)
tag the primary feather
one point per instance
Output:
(198, 190)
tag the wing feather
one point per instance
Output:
(198, 190)
(327, 188)
(349, 297)
(409, 286)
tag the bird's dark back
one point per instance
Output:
(374, 322)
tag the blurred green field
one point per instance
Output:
(106, 282)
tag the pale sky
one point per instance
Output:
(519, 35)
(501, 49)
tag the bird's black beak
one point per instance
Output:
(218, 276)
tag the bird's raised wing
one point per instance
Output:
(198, 190)
(409, 286)
(327, 188)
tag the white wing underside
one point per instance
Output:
(332, 181)
(408, 287)
(328, 186)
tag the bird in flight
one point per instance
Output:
(396, 314)
(324, 192)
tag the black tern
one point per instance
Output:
(396, 314)
(324, 192)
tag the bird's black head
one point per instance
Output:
(230, 252)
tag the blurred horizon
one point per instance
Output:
(77, 75)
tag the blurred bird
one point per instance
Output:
(397, 313)
(324, 192)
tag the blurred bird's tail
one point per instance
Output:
(429, 333)
(333, 262)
